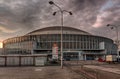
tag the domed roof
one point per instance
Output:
(57, 30)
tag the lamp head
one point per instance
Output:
(70, 13)
(108, 25)
(112, 27)
(51, 2)
(54, 13)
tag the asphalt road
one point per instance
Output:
(55, 72)
(49, 72)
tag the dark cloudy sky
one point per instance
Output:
(18, 17)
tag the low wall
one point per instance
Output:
(23, 60)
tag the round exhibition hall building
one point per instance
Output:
(77, 44)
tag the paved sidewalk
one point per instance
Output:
(113, 70)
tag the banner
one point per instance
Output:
(55, 51)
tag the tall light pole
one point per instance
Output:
(117, 40)
(61, 11)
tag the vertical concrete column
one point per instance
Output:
(85, 57)
(19, 60)
(5, 60)
(79, 55)
(34, 44)
(32, 52)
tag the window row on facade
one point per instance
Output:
(49, 45)
(56, 37)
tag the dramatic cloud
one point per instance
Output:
(18, 17)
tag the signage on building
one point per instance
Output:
(55, 51)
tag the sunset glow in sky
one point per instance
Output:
(1, 44)
(18, 17)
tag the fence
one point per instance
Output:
(82, 62)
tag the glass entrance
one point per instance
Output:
(70, 56)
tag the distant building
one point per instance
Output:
(77, 44)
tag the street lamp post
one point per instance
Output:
(117, 40)
(61, 11)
